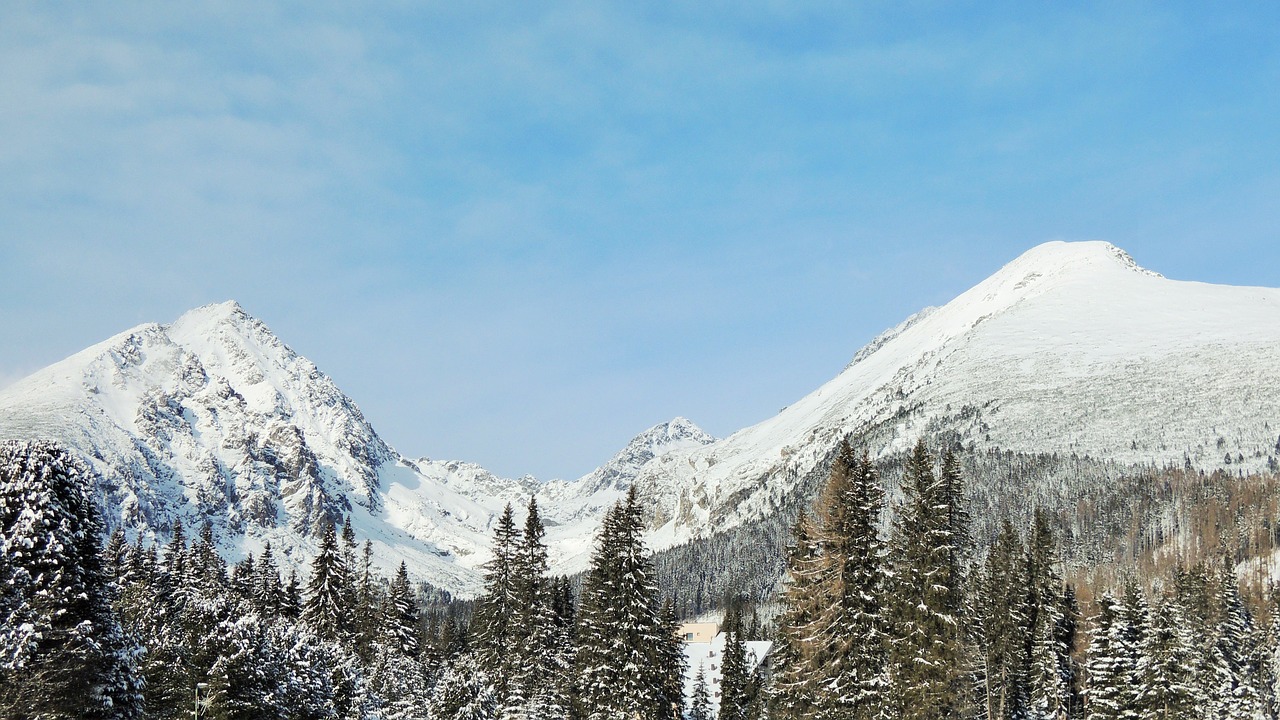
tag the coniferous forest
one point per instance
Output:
(896, 603)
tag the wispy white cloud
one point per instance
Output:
(452, 205)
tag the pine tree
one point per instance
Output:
(539, 643)
(206, 567)
(327, 607)
(700, 701)
(1106, 694)
(291, 602)
(175, 555)
(1166, 668)
(1236, 652)
(1114, 655)
(1049, 629)
(268, 592)
(366, 605)
(401, 617)
(795, 688)
(671, 659)
(64, 651)
(1048, 682)
(463, 692)
(1002, 672)
(402, 683)
(926, 649)
(620, 633)
(733, 670)
(493, 623)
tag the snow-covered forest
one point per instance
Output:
(895, 604)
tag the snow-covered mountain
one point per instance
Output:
(1071, 348)
(213, 418)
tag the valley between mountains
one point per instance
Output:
(1071, 362)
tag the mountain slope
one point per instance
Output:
(1071, 348)
(213, 419)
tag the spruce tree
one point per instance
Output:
(1166, 668)
(366, 602)
(64, 651)
(796, 684)
(494, 622)
(700, 701)
(400, 624)
(1236, 657)
(327, 606)
(463, 692)
(671, 659)
(1002, 673)
(1049, 630)
(926, 649)
(268, 592)
(733, 670)
(830, 654)
(620, 633)
(1110, 677)
(539, 642)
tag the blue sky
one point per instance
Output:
(521, 233)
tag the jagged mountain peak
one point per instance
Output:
(677, 429)
(617, 474)
(211, 417)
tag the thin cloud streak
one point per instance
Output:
(520, 235)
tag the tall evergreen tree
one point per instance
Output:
(63, 652)
(1166, 668)
(700, 700)
(733, 669)
(671, 659)
(327, 606)
(926, 649)
(1236, 656)
(830, 657)
(539, 641)
(795, 688)
(620, 633)
(1002, 672)
(493, 624)
(401, 616)
(268, 592)
(1048, 628)
(1114, 655)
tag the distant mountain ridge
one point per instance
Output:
(213, 418)
(1071, 348)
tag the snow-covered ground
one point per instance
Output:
(1070, 348)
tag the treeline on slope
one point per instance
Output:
(133, 631)
(1108, 517)
(895, 603)
(906, 623)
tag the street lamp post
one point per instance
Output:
(199, 687)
